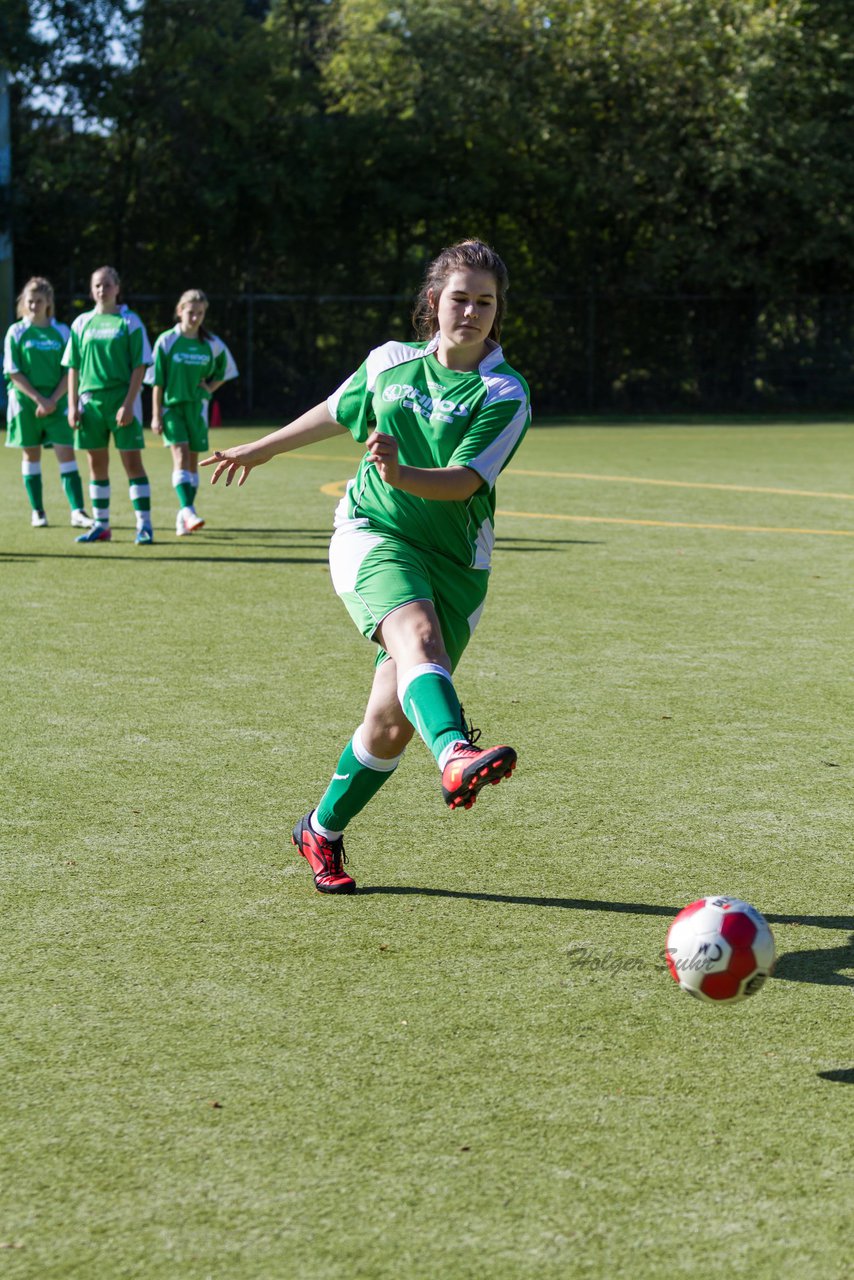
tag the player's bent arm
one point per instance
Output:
(23, 384)
(125, 413)
(314, 425)
(438, 484)
(60, 388)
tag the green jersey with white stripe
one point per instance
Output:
(35, 351)
(106, 348)
(440, 418)
(181, 364)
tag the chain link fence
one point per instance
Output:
(581, 353)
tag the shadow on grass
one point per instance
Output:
(224, 535)
(823, 965)
(567, 904)
(224, 538)
(844, 1075)
(509, 543)
(145, 557)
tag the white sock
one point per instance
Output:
(446, 752)
(323, 831)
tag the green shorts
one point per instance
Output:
(99, 421)
(25, 431)
(185, 424)
(375, 572)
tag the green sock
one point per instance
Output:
(32, 473)
(72, 484)
(430, 701)
(357, 778)
(140, 496)
(182, 483)
(99, 492)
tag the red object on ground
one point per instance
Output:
(215, 415)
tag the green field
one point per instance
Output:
(477, 1067)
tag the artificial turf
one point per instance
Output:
(477, 1067)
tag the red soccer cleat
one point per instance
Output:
(325, 857)
(468, 770)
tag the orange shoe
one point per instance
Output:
(469, 769)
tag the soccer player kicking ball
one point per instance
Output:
(190, 364)
(410, 554)
(106, 358)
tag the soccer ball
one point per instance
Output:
(720, 949)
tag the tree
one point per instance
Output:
(612, 149)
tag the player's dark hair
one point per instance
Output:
(467, 255)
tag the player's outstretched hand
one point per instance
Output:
(242, 458)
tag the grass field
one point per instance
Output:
(477, 1067)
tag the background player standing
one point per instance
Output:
(190, 363)
(410, 555)
(106, 357)
(36, 384)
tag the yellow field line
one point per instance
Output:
(585, 475)
(681, 484)
(336, 490)
(355, 459)
(677, 524)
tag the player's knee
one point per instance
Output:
(426, 643)
(397, 736)
(412, 635)
(386, 736)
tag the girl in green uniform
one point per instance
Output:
(36, 384)
(106, 357)
(189, 365)
(440, 418)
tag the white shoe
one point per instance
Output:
(80, 520)
(38, 520)
(187, 522)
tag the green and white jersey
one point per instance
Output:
(106, 349)
(226, 367)
(440, 418)
(36, 353)
(163, 373)
(182, 363)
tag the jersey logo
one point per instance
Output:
(102, 335)
(419, 402)
(42, 344)
(191, 357)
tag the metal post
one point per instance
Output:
(250, 344)
(7, 268)
(591, 350)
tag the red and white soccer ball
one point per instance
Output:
(720, 949)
